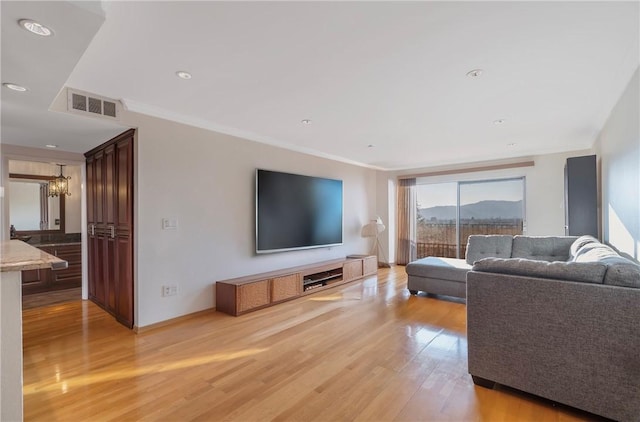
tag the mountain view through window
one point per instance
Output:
(449, 212)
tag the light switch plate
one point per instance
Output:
(169, 223)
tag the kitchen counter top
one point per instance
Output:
(15, 255)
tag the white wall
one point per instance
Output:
(544, 190)
(618, 147)
(206, 181)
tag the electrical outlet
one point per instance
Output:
(169, 290)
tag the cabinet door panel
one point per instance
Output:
(91, 187)
(72, 275)
(124, 279)
(98, 202)
(110, 274)
(286, 287)
(253, 295)
(31, 276)
(352, 269)
(98, 270)
(91, 265)
(91, 223)
(124, 181)
(36, 281)
(370, 265)
(109, 185)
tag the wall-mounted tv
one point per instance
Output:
(296, 212)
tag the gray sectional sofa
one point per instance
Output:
(558, 317)
(568, 330)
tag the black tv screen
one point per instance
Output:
(296, 212)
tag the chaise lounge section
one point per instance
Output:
(448, 276)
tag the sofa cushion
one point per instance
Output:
(443, 268)
(594, 252)
(488, 246)
(623, 273)
(586, 272)
(620, 271)
(542, 248)
(579, 243)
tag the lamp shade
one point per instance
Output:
(373, 229)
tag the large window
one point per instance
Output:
(449, 212)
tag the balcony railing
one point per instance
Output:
(445, 250)
(439, 239)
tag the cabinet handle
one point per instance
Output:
(113, 232)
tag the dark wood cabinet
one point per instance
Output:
(45, 279)
(110, 226)
(36, 281)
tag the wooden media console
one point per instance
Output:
(245, 294)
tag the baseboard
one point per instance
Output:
(171, 321)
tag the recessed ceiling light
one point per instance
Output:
(498, 122)
(306, 121)
(183, 74)
(51, 146)
(35, 27)
(475, 73)
(15, 87)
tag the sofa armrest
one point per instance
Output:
(571, 342)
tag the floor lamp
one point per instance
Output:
(373, 229)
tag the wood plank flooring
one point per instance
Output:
(54, 297)
(366, 351)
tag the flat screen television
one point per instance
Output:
(296, 212)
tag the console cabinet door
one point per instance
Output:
(352, 269)
(370, 265)
(253, 295)
(286, 287)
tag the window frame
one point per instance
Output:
(458, 183)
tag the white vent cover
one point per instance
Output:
(94, 105)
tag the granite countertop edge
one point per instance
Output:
(15, 255)
(46, 244)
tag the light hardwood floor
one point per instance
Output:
(366, 351)
(51, 298)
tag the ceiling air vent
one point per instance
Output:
(90, 104)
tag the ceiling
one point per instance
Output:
(383, 83)
(43, 66)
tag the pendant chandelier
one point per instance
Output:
(60, 185)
